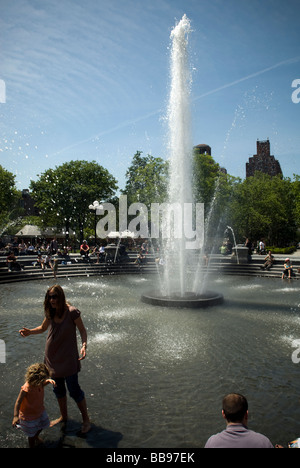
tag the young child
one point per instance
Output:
(54, 267)
(287, 269)
(29, 411)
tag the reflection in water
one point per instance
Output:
(155, 377)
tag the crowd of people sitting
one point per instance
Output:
(50, 254)
(21, 247)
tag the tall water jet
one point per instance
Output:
(180, 150)
(177, 220)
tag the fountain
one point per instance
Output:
(240, 253)
(180, 260)
(165, 371)
(235, 247)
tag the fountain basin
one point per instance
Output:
(189, 299)
(167, 358)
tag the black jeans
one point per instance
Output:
(73, 386)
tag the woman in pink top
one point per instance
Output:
(61, 352)
(29, 411)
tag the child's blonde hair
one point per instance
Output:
(36, 374)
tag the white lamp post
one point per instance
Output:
(96, 206)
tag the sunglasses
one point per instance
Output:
(53, 296)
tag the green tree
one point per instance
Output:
(9, 197)
(263, 207)
(205, 177)
(215, 189)
(63, 194)
(296, 194)
(147, 179)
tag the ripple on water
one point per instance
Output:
(156, 374)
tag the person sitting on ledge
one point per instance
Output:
(12, 264)
(287, 269)
(140, 260)
(237, 434)
(269, 261)
(84, 250)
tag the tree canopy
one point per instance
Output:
(146, 180)
(263, 207)
(8, 196)
(64, 194)
(257, 207)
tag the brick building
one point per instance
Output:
(263, 161)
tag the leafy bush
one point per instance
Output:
(282, 250)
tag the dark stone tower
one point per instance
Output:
(203, 149)
(263, 161)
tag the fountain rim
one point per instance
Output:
(189, 300)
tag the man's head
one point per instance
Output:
(235, 408)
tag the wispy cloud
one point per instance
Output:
(160, 111)
(79, 72)
(116, 128)
(248, 77)
(65, 56)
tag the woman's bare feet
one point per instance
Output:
(57, 421)
(86, 427)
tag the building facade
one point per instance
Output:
(203, 148)
(263, 161)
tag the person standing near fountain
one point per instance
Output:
(29, 411)
(61, 353)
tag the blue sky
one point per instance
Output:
(90, 79)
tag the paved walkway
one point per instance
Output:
(296, 254)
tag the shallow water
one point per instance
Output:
(155, 377)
